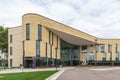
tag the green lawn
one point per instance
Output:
(40, 75)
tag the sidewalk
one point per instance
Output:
(30, 70)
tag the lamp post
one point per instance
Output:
(95, 53)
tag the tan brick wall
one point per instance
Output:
(16, 46)
(19, 35)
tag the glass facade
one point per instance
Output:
(70, 54)
(27, 31)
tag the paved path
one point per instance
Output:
(31, 70)
(88, 74)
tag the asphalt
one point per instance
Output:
(88, 74)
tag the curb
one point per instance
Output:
(56, 75)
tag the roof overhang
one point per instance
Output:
(71, 38)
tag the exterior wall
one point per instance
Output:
(30, 45)
(99, 54)
(16, 45)
(19, 35)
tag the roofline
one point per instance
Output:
(68, 26)
(59, 23)
(14, 27)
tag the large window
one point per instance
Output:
(102, 48)
(10, 62)
(10, 38)
(27, 31)
(39, 32)
(37, 48)
(84, 48)
(11, 50)
(70, 54)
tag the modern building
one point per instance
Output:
(41, 41)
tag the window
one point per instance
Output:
(84, 48)
(57, 41)
(10, 50)
(46, 50)
(51, 51)
(27, 31)
(52, 38)
(10, 62)
(46, 55)
(102, 48)
(91, 56)
(109, 48)
(49, 37)
(10, 38)
(104, 56)
(116, 48)
(97, 48)
(91, 48)
(117, 56)
(39, 32)
(37, 48)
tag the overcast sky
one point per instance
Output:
(100, 18)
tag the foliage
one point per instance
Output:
(3, 39)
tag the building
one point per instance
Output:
(44, 42)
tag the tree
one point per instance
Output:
(3, 39)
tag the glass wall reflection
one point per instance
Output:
(70, 54)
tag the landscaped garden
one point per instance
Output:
(39, 75)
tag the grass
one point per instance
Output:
(40, 75)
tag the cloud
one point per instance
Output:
(96, 17)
